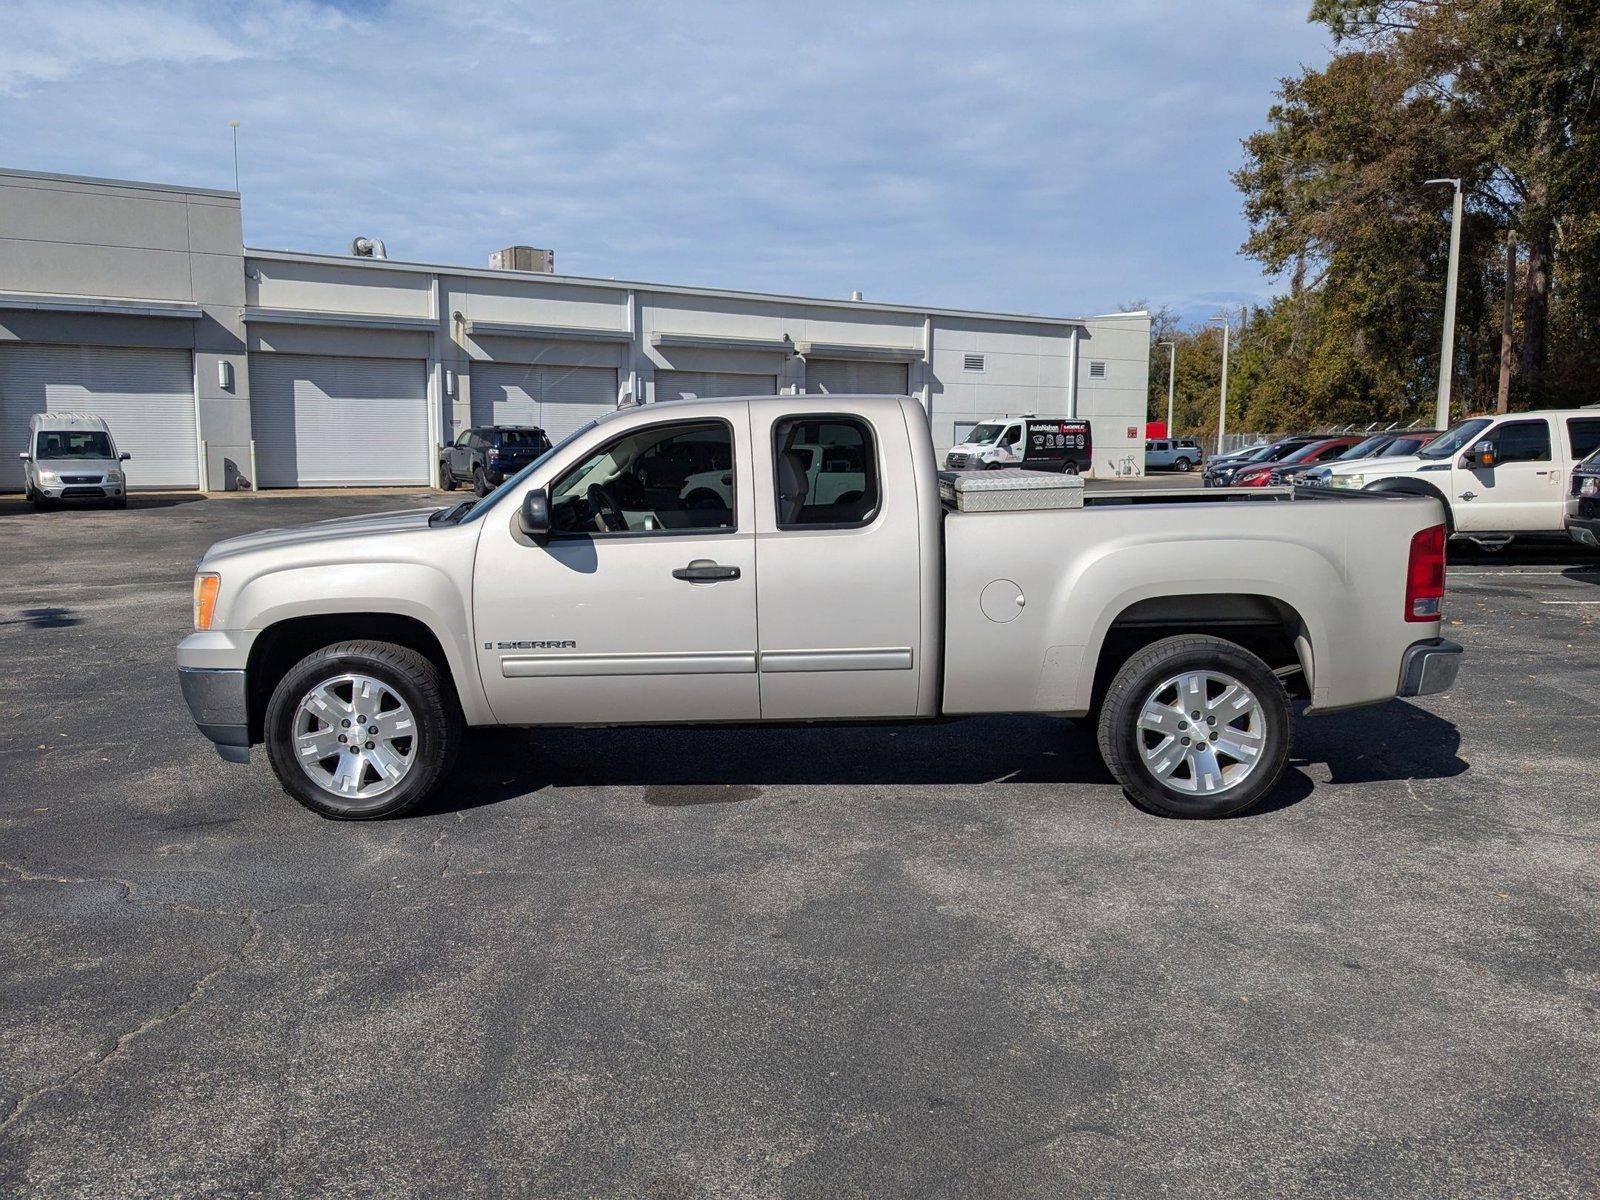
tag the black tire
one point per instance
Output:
(993, 466)
(447, 478)
(416, 680)
(1069, 467)
(480, 482)
(1183, 465)
(1119, 732)
(120, 502)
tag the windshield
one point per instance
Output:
(1367, 448)
(1279, 451)
(519, 437)
(1451, 440)
(72, 443)
(509, 486)
(982, 435)
(1307, 453)
(1404, 445)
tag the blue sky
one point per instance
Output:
(1032, 157)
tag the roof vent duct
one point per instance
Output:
(365, 247)
(524, 258)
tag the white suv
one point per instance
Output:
(1499, 476)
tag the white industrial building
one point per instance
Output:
(218, 365)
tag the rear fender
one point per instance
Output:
(1293, 574)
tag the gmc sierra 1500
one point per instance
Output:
(823, 579)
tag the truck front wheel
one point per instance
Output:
(1195, 726)
(361, 729)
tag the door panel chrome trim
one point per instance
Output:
(775, 662)
(538, 666)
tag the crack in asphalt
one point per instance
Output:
(119, 1045)
(34, 877)
(436, 846)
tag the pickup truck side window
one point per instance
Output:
(670, 478)
(1523, 441)
(1583, 436)
(825, 472)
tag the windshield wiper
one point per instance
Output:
(452, 515)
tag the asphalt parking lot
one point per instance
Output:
(945, 960)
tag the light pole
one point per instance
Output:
(1222, 403)
(234, 125)
(1172, 376)
(1447, 345)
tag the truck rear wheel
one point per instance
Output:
(361, 729)
(1195, 726)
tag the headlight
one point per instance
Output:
(113, 476)
(49, 477)
(1356, 482)
(206, 585)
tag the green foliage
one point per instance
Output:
(1503, 94)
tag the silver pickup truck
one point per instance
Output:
(824, 579)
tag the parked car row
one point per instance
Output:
(1289, 459)
(1498, 476)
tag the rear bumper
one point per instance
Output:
(218, 699)
(1430, 667)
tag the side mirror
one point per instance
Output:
(124, 456)
(536, 512)
(24, 455)
(1482, 455)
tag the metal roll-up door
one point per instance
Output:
(840, 377)
(708, 385)
(145, 396)
(323, 421)
(557, 399)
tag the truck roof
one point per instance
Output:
(832, 397)
(65, 420)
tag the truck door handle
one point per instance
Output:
(703, 570)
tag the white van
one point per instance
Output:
(1499, 476)
(1034, 443)
(72, 457)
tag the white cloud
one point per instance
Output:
(1042, 157)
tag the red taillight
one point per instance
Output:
(1425, 575)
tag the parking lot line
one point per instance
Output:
(1569, 602)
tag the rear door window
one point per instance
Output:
(1583, 436)
(825, 472)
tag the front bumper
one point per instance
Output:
(1430, 667)
(218, 699)
(79, 491)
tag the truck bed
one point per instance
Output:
(1030, 596)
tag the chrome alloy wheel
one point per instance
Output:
(1201, 733)
(354, 736)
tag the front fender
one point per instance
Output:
(409, 589)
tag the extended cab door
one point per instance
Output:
(640, 605)
(1521, 491)
(839, 560)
